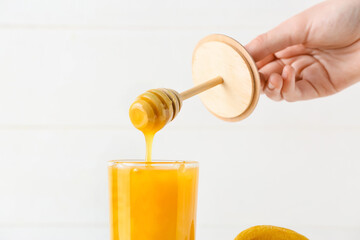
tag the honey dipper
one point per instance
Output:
(225, 75)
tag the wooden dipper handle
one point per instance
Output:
(201, 87)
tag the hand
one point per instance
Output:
(313, 54)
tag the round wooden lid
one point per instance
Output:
(220, 55)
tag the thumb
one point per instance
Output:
(288, 33)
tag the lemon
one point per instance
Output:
(266, 232)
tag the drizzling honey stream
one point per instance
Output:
(152, 110)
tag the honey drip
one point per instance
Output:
(152, 110)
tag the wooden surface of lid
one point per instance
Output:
(220, 55)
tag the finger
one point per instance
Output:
(273, 87)
(262, 82)
(265, 61)
(289, 91)
(293, 51)
(272, 67)
(295, 90)
(288, 33)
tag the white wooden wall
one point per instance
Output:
(68, 73)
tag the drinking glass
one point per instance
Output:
(153, 200)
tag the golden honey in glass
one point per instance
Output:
(153, 200)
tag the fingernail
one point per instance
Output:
(270, 86)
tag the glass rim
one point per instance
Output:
(157, 162)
